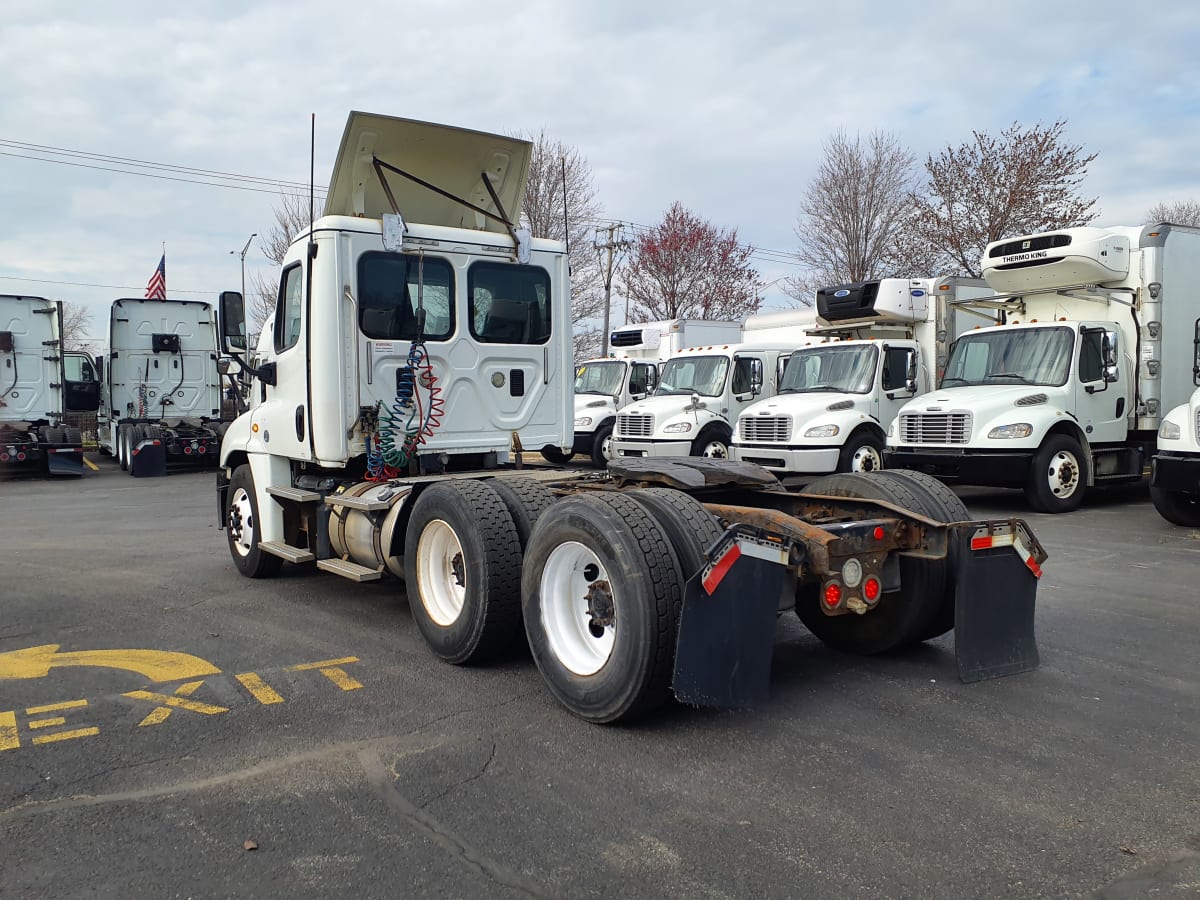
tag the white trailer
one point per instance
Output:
(35, 391)
(160, 382)
(1175, 469)
(1071, 391)
(418, 332)
(602, 386)
(700, 393)
(875, 345)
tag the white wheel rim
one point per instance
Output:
(122, 450)
(580, 644)
(715, 450)
(241, 522)
(441, 573)
(866, 459)
(606, 447)
(1063, 476)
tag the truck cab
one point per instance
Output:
(700, 394)
(1175, 468)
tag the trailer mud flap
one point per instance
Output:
(726, 631)
(994, 603)
(64, 461)
(148, 460)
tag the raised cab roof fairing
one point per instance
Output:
(448, 157)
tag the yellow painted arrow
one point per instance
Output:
(156, 665)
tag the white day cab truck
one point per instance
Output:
(419, 335)
(160, 401)
(1071, 392)
(875, 345)
(39, 382)
(1175, 469)
(605, 385)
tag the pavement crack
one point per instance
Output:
(378, 776)
(464, 781)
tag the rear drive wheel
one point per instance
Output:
(712, 443)
(602, 450)
(525, 499)
(601, 591)
(122, 443)
(137, 434)
(462, 569)
(1176, 508)
(691, 528)
(72, 436)
(242, 528)
(1058, 477)
(863, 452)
(555, 455)
(904, 616)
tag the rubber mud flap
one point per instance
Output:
(993, 613)
(148, 460)
(726, 639)
(65, 461)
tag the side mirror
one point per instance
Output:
(233, 322)
(223, 365)
(99, 368)
(1108, 348)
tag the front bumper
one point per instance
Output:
(629, 447)
(1175, 474)
(1009, 469)
(810, 460)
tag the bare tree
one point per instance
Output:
(549, 211)
(77, 319)
(292, 215)
(1023, 182)
(685, 267)
(852, 213)
(1181, 212)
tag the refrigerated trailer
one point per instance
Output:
(35, 393)
(419, 335)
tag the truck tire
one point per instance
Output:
(525, 499)
(691, 528)
(55, 435)
(602, 446)
(1058, 475)
(122, 443)
(601, 591)
(713, 442)
(901, 617)
(552, 454)
(462, 570)
(241, 528)
(72, 436)
(137, 434)
(153, 433)
(863, 452)
(1176, 508)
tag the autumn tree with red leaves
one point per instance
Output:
(687, 268)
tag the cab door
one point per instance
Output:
(81, 386)
(283, 416)
(1101, 387)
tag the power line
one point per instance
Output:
(113, 287)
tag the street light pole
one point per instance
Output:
(243, 256)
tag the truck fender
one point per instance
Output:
(269, 471)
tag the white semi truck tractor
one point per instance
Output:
(1070, 393)
(419, 336)
(35, 390)
(1175, 469)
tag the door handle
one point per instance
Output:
(300, 423)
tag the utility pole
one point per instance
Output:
(243, 256)
(609, 239)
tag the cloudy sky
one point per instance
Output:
(723, 107)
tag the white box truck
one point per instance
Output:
(700, 393)
(876, 346)
(160, 382)
(1071, 391)
(604, 385)
(35, 391)
(1175, 469)
(417, 330)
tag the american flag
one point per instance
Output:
(156, 288)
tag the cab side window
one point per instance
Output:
(289, 308)
(1091, 356)
(895, 367)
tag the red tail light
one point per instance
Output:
(833, 594)
(872, 589)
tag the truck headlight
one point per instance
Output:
(821, 431)
(678, 428)
(1169, 431)
(1018, 430)
(582, 421)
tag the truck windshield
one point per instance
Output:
(848, 370)
(703, 375)
(1013, 356)
(600, 378)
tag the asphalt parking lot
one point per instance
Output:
(294, 736)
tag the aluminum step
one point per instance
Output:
(296, 495)
(286, 551)
(348, 569)
(357, 503)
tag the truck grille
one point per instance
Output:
(756, 429)
(1198, 426)
(635, 425)
(935, 428)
